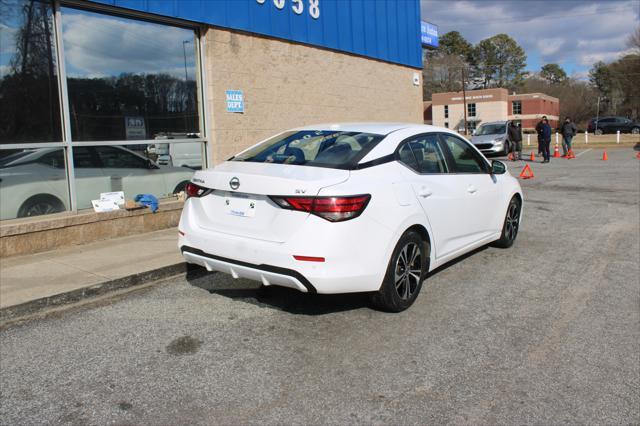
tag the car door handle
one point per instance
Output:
(472, 189)
(425, 192)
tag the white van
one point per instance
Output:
(178, 154)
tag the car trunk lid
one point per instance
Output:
(240, 203)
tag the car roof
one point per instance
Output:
(495, 122)
(379, 128)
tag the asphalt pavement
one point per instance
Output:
(546, 332)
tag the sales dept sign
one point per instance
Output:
(235, 101)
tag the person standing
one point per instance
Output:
(515, 137)
(545, 137)
(539, 132)
(568, 131)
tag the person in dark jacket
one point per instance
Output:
(539, 132)
(568, 131)
(515, 137)
(544, 137)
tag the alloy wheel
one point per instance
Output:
(408, 270)
(40, 208)
(513, 221)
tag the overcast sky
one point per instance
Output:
(572, 33)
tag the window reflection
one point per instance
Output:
(29, 102)
(118, 168)
(128, 79)
(32, 182)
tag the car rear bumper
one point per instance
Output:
(267, 274)
(354, 257)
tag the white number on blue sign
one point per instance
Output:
(297, 6)
(314, 8)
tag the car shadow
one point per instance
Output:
(275, 297)
(286, 299)
(456, 261)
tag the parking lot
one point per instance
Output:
(546, 332)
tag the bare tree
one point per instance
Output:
(634, 40)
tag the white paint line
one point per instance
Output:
(590, 149)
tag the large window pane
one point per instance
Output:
(29, 102)
(33, 182)
(147, 169)
(128, 79)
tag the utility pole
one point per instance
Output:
(597, 116)
(464, 100)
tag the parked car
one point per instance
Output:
(345, 208)
(612, 125)
(491, 138)
(33, 182)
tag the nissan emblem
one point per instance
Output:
(234, 183)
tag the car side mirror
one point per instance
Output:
(498, 167)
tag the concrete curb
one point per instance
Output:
(13, 313)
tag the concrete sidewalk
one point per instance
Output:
(35, 281)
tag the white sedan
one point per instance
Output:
(33, 182)
(341, 208)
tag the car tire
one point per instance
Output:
(598, 132)
(511, 224)
(39, 205)
(635, 131)
(507, 148)
(402, 284)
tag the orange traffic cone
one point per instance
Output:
(533, 157)
(526, 172)
(570, 155)
(604, 156)
(556, 152)
(510, 156)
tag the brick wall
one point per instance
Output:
(289, 85)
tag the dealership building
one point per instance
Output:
(447, 109)
(184, 83)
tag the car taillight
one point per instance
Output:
(333, 209)
(193, 190)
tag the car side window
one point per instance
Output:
(423, 154)
(53, 159)
(114, 158)
(465, 158)
(407, 158)
(84, 157)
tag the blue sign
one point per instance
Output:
(429, 34)
(235, 101)
(381, 29)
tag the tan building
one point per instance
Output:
(336, 87)
(447, 109)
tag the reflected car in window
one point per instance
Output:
(33, 182)
(343, 208)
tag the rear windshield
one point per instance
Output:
(320, 148)
(491, 129)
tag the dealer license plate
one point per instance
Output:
(243, 207)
